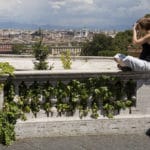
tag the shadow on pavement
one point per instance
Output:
(148, 132)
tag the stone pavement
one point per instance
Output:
(80, 63)
(99, 142)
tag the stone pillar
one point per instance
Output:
(1, 98)
(17, 88)
(142, 97)
(53, 51)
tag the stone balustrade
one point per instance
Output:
(135, 122)
(142, 80)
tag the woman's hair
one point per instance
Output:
(144, 23)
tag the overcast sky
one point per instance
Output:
(79, 13)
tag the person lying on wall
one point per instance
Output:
(129, 63)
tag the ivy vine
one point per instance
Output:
(100, 95)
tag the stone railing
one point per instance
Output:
(142, 81)
(128, 122)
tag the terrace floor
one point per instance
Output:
(102, 64)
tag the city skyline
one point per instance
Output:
(101, 14)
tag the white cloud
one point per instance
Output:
(19, 1)
(8, 8)
(74, 12)
(6, 5)
(82, 1)
(57, 4)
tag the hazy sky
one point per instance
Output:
(98, 13)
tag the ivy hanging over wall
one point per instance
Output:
(102, 95)
(5, 68)
(9, 111)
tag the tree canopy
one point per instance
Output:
(40, 52)
(122, 40)
(147, 15)
(104, 43)
(100, 42)
(18, 48)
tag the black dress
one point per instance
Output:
(145, 54)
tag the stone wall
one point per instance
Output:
(75, 127)
(125, 123)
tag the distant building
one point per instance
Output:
(83, 33)
(5, 48)
(74, 50)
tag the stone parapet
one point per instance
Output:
(127, 122)
(142, 80)
(132, 124)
